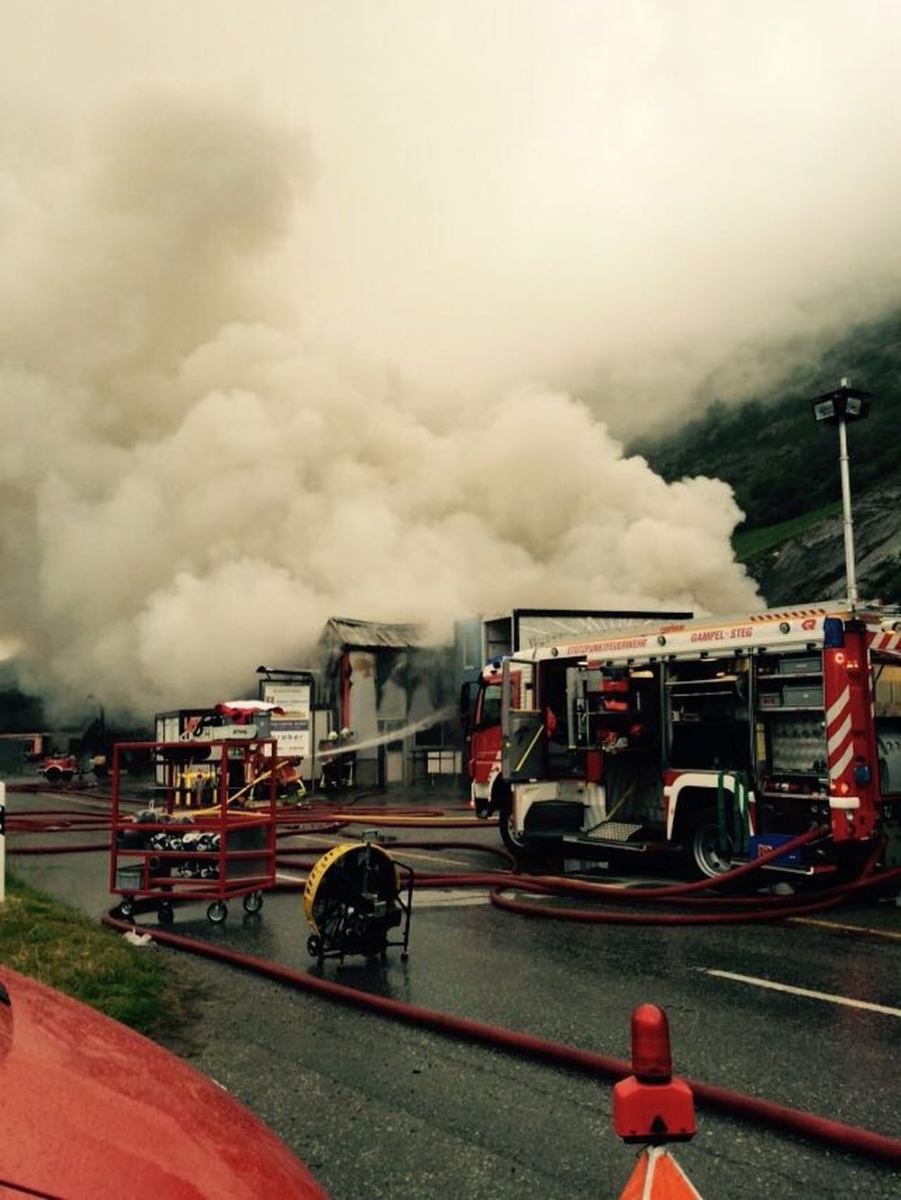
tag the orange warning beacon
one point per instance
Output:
(651, 1105)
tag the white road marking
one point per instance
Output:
(449, 898)
(811, 995)
(398, 851)
(843, 928)
(288, 877)
(424, 898)
(427, 857)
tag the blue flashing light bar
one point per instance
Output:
(833, 633)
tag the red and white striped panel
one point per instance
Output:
(839, 745)
(886, 642)
(790, 615)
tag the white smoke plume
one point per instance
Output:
(258, 371)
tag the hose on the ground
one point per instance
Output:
(790, 1120)
(864, 1142)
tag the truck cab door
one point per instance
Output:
(524, 738)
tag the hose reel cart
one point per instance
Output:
(353, 899)
(209, 837)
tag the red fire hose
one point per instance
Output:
(860, 1141)
(723, 909)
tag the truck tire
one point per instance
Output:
(513, 840)
(701, 855)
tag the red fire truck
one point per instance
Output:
(717, 737)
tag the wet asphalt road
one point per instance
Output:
(381, 1109)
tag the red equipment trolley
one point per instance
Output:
(209, 837)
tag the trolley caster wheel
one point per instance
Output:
(126, 908)
(314, 946)
(253, 902)
(217, 912)
(165, 914)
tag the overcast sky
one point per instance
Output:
(296, 289)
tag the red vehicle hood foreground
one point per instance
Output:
(90, 1109)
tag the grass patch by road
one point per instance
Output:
(44, 939)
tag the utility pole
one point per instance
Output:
(838, 408)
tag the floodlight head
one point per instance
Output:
(845, 403)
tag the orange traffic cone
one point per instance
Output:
(658, 1176)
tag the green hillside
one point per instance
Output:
(750, 544)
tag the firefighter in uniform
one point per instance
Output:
(347, 759)
(329, 779)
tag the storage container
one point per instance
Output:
(800, 666)
(798, 695)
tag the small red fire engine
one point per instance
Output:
(719, 737)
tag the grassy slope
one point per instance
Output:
(751, 543)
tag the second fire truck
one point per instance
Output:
(720, 738)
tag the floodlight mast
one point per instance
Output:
(838, 408)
